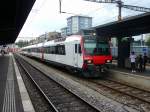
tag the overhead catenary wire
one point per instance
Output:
(121, 5)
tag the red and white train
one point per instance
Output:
(84, 54)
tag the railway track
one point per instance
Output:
(59, 98)
(131, 96)
(125, 89)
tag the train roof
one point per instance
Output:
(56, 41)
(64, 40)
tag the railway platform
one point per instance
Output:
(137, 79)
(145, 73)
(13, 95)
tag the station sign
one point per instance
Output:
(144, 49)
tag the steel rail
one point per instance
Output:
(42, 92)
(128, 85)
(122, 92)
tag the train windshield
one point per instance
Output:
(93, 47)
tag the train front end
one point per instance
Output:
(96, 57)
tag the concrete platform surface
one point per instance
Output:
(128, 71)
(10, 97)
(137, 79)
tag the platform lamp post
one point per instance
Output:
(142, 44)
(59, 6)
(119, 10)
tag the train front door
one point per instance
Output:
(78, 56)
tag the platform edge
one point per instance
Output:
(26, 101)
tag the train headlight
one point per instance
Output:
(108, 61)
(89, 61)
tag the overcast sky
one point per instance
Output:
(45, 16)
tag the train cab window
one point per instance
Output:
(96, 48)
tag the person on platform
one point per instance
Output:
(144, 61)
(140, 63)
(132, 60)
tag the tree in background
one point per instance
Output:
(148, 41)
(22, 43)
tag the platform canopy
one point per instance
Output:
(131, 26)
(13, 16)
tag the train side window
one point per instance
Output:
(48, 50)
(53, 50)
(75, 48)
(38, 50)
(79, 48)
(61, 49)
(45, 50)
(63, 52)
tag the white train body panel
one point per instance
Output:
(70, 58)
